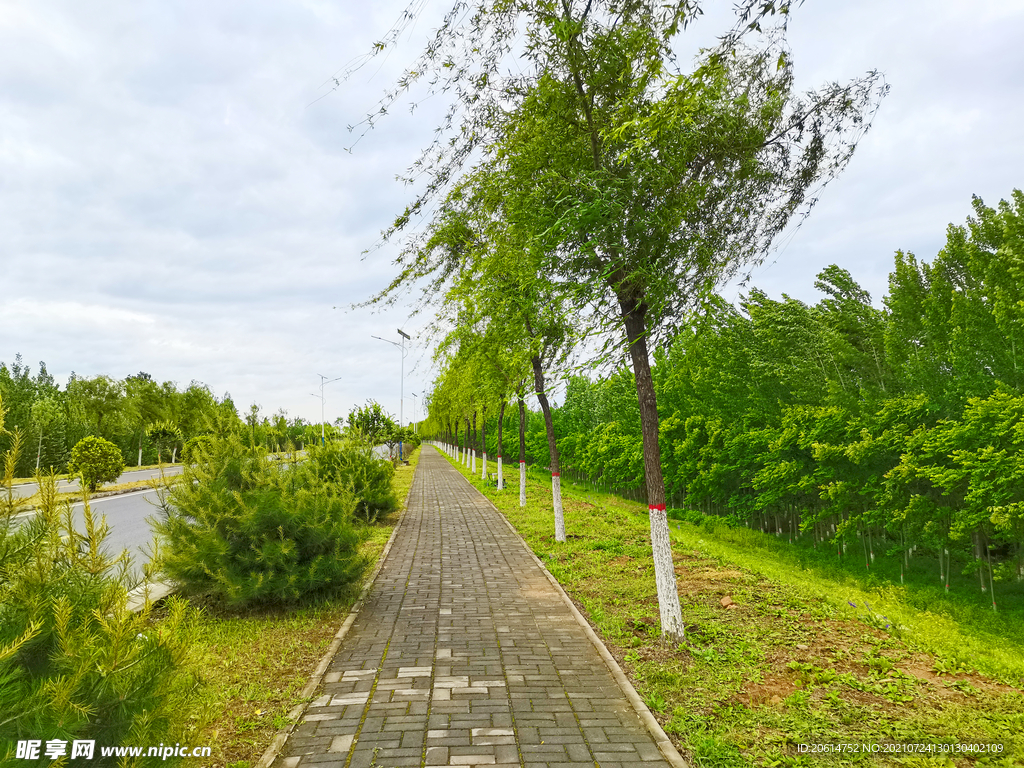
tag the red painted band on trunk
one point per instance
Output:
(499, 455)
(556, 474)
(522, 462)
(659, 507)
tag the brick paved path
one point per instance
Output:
(464, 654)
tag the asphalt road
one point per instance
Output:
(131, 475)
(126, 516)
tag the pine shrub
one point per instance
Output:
(352, 463)
(194, 448)
(244, 530)
(75, 662)
(97, 461)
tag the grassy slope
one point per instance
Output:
(254, 664)
(793, 662)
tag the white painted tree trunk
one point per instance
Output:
(483, 471)
(665, 573)
(472, 462)
(140, 457)
(174, 454)
(501, 480)
(522, 483)
(556, 500)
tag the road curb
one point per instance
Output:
(665, 745)
(281, 738)
(149, 592)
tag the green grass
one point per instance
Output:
(959, 626)
(253, 664)
(793, 662)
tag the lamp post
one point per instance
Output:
(323, 383)
(401, 390)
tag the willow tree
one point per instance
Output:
(643, 188)
(504, 311)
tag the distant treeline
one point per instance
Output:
(137, 414)
(888, 428)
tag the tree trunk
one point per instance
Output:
(483, 443)
(978, 555)
(476, 446)
(501, 419)
(522, 451)
(634, 315)
(556, 478)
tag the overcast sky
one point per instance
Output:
(175, 199)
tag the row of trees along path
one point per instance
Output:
(582, 187)
(892, 430)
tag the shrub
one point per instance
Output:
(97, 461)
(75, 663)
(351, 462)
(245, 531)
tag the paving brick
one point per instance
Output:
(463, 654)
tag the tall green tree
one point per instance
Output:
(100, 399)
(506, 315)
(640, 188)
(145, 405)
(957, 323)
(46, 415)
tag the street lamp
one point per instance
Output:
(323, 383)
(401, 390)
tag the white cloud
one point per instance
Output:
(175, 199)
